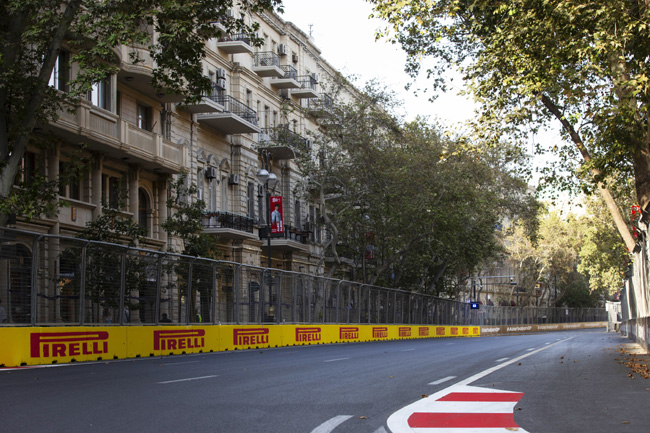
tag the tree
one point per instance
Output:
(186, 220)
(548, 262)
(581, 63)
(33, 34)
(603, 258)
(411, 207)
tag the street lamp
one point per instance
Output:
(269, 180)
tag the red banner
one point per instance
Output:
(276, 215)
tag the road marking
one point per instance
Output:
(380, 430)
(331, 424)
(337, 359)
(187, 380)
(407, 350)
(444, 379)
(461, 406)
(531, 349)
(502, 359)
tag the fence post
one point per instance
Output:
(338, 299)
(235, 291)
(122, 284)
(215, 294)
(82, 285)
(33, 292)
(188, 296)
(158, 289)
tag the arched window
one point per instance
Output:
(144, 210)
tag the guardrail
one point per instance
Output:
(58, 280)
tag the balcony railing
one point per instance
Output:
(267, 58)
(290, 233)
(307, 82)
(236, 43)
(323, 103)
(289, 72)
(282, 135)
(236, 107)
(227, 220)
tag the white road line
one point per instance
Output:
(187, 380)
(337, 359)
(444, 379)
(407, 350)
(502, 359)
(331, 424)
(530, 350)
(380, 430)
(398, 421)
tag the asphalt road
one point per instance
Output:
(571, 382)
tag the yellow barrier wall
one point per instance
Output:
(49, 345)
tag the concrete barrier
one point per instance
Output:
(546, 327)
(23, 346)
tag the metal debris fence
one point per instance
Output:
(58, 280)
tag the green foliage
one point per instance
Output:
(428, 203)
(34, 32)
(186, 220)
(581, 63)
(603, 257)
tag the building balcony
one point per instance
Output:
(282, 142)
(106, 132)
(236, 117)
(308, 87)
(228, 225)
(207, 103)
(235, 44)
(292, 239)
(150, 150)
(288, 80)
(319, 107)
(136, 71)
(267, 64)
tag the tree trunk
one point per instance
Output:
(614, 211)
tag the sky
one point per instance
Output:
(345, 34)
(342, 30)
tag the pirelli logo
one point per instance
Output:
(404, 331)
(58, 344)
(250, 336)
(308, 334)
(440, 331)
(423, 331)
(177, 340)
(349, 333)
(380, 332)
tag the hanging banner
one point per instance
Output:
(276, 215)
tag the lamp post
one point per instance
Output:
(269, 180)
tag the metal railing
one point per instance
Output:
(236, 107)
(228, 220)
(285, 136)
(290, 233)
(307, 82)
(266, 58)
(289, 71)
(241, 37)
(57, 280)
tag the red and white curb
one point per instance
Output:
(464, 409)
(459, 409)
